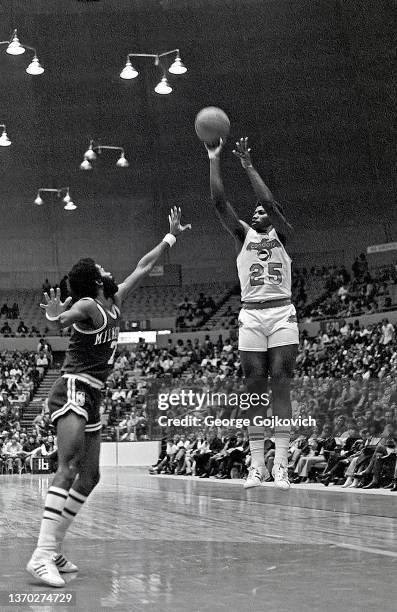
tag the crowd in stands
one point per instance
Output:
(18, 448)
(345, 379)
(358, 293)
(9, 312)
(21, 331)
(192, 314)
(229, 318)
(20, 375)
(340, 455)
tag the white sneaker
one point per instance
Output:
(64, 566)
(280, 475)
(46, 571)
(254, 478)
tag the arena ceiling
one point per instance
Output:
(312, 83)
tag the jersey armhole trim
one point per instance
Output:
(115, 312)
(243, 243)
(93, 331)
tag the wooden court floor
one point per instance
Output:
(170, 544)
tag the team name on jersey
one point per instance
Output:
(107, 335)
(264, 247)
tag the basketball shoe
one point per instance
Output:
(64, 566)
(280, 475)
(254, 478)
(45, 571)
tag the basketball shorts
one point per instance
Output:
(69, 393)
(261, 329)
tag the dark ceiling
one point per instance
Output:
(312, 83)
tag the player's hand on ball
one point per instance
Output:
(53, 306)
(214, 151)
(175, 221)
(242, 151)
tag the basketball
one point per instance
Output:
(211, 124)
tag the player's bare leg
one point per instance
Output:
(71, 439)
(281, 366)
(84, 483)
(255, 368)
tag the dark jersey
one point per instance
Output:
(91, 352)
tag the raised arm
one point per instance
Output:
(261, 190)
(225, 211)
(146, 264)
(57, 312)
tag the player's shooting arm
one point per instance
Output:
(224, 209)
(148, 261)
(261, 190)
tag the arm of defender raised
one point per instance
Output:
(225, 211)
(261, 190)
(146, 264)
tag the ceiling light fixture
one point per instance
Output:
(93, 151)
(14, 47)
(4, 140)
(69, 205)
(163, 87)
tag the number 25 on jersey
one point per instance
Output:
(257, 274)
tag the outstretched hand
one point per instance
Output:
(175, 222)
(242, 151)
(214, 151)
(53, 306)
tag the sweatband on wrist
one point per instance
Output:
(169, 239)
(47, 316)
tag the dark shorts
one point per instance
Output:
(72, 394)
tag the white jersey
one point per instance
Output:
(264, 267)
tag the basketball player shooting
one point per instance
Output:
(74, 399)
(268, 329)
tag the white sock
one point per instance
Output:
(72, 506)
(282, 440)
(54, 503)
(257, 446)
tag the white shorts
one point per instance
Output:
(265, 328)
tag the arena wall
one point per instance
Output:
(129, 454)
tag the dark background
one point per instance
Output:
(312, 83)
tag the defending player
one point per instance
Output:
(75, 397)
(268, 330)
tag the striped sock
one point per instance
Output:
(72, 506)
(257, 445)
(282, 440)
(54, 503)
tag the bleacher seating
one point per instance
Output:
(28, 301)
(148, 302)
